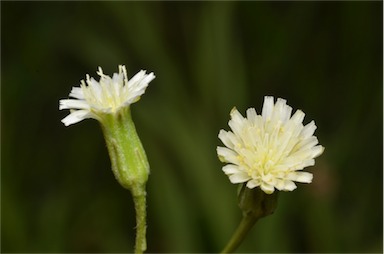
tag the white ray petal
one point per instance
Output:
(77, 93)
(240, 177)
(76, 117)
(267, 188)
(231, 169)
(267, 107)
(253, 183)
(73, 104)
(289, 185)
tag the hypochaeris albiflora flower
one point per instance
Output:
(269, 150)
(108, 101)
(107, 96)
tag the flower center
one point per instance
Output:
(105, 95)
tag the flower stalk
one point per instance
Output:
(255, 204)
(246, 224)
(139, 199)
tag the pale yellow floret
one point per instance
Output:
(270, 149)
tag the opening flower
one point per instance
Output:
(93, 99)
(269, 150)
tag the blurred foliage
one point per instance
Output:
(57, 191)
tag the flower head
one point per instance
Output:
(269, 150)
(107, 96)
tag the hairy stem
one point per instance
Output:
(139, 199)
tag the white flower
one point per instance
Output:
(93, 99)
(269, 150)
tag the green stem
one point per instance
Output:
(139, 198)
(238, 236)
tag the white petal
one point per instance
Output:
(140, 86)
(280, 104)
(77, 93)
(140, 75)
(302, 177)
(289, 186)
(227, 138)
(282, 110)
(251, 115)
(227, 155)
(308, 143)
(231, 169)
(253, 183)
(117, 84)
(136, 86)
(267, 188)
(287, 113)
(298, 117)
(317, 151)
(76, 117)
(240, 177)
(149, 77)
(236, 122)
(95, 89)
(279, 111)
(267, 107)
(73, 104)
(279, 184)
(308, 130)
(307, 163)
(133, 97)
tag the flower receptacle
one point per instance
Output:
(256, 203)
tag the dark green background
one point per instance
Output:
(58, 193)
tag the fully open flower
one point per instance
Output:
(93, 99)
(269, 150)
